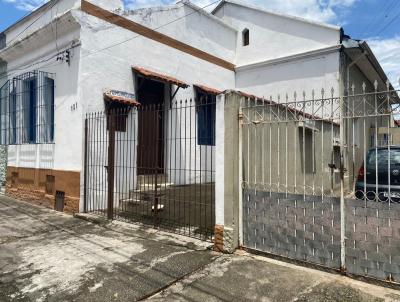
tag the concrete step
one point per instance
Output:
(132, 202)
(151, 179)
(141, 195)
(160, 207)
(145, 195)
(149, 186)
(124, 203)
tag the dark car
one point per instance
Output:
(379, 178)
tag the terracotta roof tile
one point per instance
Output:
(159, 76)
(208, 89)
(120, 99)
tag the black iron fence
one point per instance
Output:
(153, 164)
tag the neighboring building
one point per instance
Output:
(63, 57)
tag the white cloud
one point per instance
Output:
(27, 5)
(388, 53)
(318, 10)
(132, 4)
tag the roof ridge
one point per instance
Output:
(206, 13)
(263, 10)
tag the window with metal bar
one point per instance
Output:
(27, 109)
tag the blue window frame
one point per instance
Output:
(205, 105)
(30, 108)
(4, 94)
(13, 117)
(27, 109)
(49, 107)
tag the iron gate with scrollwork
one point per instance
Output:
(321, 180)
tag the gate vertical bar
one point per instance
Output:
(157, 138)
(111, 159)
(85, 167)
(342, 201)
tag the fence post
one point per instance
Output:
(227, 184)
(85, 168)
(342, 172)
(240, 179)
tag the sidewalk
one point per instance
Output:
(245, 277)
(49, 256)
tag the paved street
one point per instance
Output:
(49, 256)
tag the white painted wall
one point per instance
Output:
(46, 14)
(66, 153)
(125, 175)
(96, 67)
(39, 19)
(273, 35)
(186, 161)
(298, 75)
(184, 23)
(111, 68)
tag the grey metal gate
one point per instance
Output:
(320, 179)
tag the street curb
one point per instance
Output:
(92, 218)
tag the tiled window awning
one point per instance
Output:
(121, 97)
(159, 77)
(208, 90)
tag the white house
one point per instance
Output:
(73, 52)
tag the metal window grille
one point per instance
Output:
(27, 109)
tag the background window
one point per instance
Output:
(246, 37)
(307, 150)
(205, 105)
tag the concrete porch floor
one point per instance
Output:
(49, 256)
(186, 209)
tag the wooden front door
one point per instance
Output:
(150, 127)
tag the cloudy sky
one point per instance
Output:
(377, 21)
